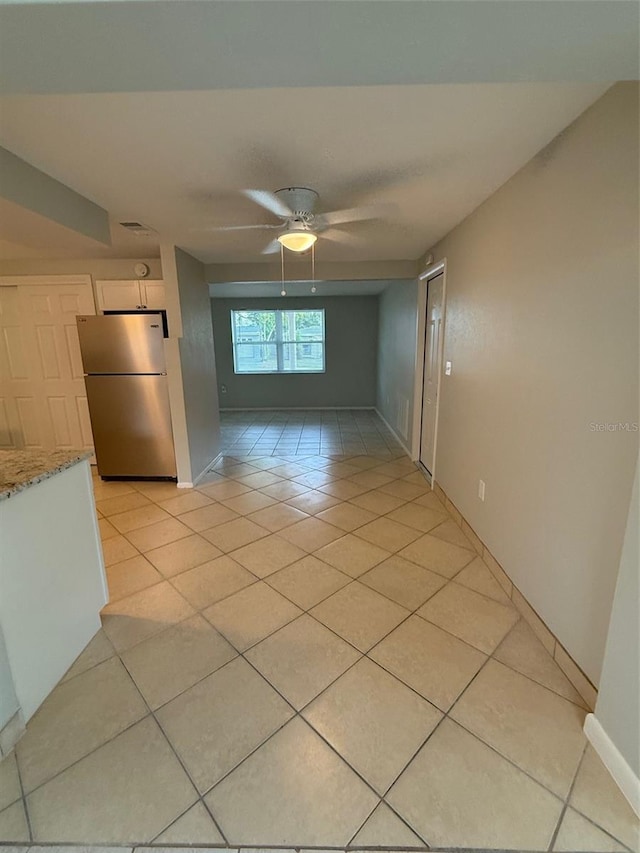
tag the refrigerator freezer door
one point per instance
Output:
(121, 343)
(131, 425)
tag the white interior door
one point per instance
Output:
(17, 403)
(432, 349)
(44, 403)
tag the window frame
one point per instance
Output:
(278, 342)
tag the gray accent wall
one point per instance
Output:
(197, 360)
(397, 343)
(8, 699)
(618, 706)
(351, 332)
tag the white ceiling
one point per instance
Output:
(162, 111)
(176, 160)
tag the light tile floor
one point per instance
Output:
(313, 431)
(315, 657)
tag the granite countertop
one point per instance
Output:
(20, 469)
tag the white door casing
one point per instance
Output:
(431, 374)
(43, 401)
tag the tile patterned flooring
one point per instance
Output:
(315, 431)
(305, 651)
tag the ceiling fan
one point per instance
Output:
(301, 225)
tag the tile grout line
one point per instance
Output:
(23, 796)
(299, 713)
(265, 579)
(91, 751)
(567, 805)
(446, 714)
(176, 755)
(490, 746)
(449, 580)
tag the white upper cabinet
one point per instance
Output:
(152, 294)
(130, 295)
(118, 295)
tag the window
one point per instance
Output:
(278, 341)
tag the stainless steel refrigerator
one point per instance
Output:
(127, 392)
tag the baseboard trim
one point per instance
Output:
(201, 475)
(555, 648)
(302, 409)
(397, 437)
(614, 761)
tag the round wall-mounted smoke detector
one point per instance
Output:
(141, 270)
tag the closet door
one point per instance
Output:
(44, 403)
(432, 347)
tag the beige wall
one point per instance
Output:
(542, 331)
(97, 268)
(198, 365)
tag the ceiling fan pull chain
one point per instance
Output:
(313, 268)
(283, 292)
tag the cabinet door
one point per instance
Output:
(118, 295)
(152, 294)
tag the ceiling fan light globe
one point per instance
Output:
(297, 241)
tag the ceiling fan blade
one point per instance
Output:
(356, 214)
(239, 227)
(337, 236)
(271, 248)
(269, 201)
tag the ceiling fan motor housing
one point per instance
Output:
(300, 200)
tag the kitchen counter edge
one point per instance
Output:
(20, 469)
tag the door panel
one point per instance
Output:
(20, 411)
(73, 348)
(153, 295)
(48, 355)
(40, 368)
(30, 422)
(70, 303)
(62, 427)
(117, 295)
(432, 347)
(6, 437)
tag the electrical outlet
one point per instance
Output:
(223, 389)
(481, 486)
